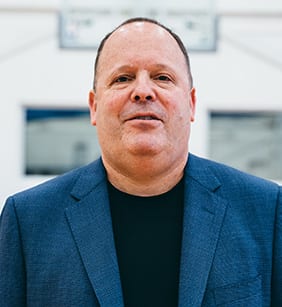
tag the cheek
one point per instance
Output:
(180, 112)
(113, 102)
(107, 117)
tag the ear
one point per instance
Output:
(192, 104)
(92, 107)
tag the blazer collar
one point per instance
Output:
(204, 211)
(91, 226)
(90, 223)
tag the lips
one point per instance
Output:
(145, 117)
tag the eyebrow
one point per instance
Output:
(132, 67)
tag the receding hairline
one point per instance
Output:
(143, 20)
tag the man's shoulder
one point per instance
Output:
(227, 177)
(61, 186)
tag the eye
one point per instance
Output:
(163, 78)
(122, 79)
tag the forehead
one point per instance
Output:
(141, 40)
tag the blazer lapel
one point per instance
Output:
(91, 226)
(90, 222)
(203, 216)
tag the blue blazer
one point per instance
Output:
(57, 247)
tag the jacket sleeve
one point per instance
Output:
(12, 268)
(277, 256)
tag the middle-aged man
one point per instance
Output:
(147, 224)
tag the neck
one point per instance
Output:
(145, 178)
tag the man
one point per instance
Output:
(147, 224)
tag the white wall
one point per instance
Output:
(244, 73)
(34, 71)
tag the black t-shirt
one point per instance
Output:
(148, 232)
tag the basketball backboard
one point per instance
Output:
(84, 25)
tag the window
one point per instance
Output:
(57, 140)
(250, 141)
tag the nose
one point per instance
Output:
(143, 90)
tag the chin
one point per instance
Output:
(145, 151)
(145, 148)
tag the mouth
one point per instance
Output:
(144, 117)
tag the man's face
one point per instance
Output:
(143, 103)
